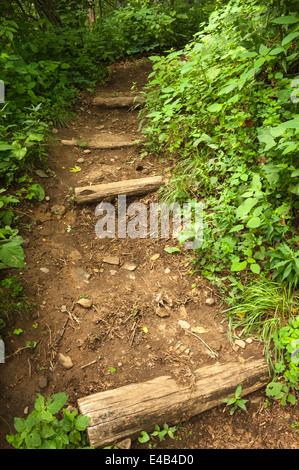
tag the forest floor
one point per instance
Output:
(120, 339)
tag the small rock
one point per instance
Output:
(55, 131)
(162, 312)
(86, 303)
(47, 198)
(241, 343)
(113, 272)
(210, 301)
(65, 361)
(129, 266)
(86, 151)
(44, 270)
(26, 410)
(248, 340)
(125, 444)
(43, 382)
(184, 324)
(111, 260)
(132, 277)
(167, 271)
(80, 160)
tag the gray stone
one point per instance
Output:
(43, 382)
(65, 361)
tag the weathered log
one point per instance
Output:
(136, 187)
(103, 141)
(126, 411)
(118, 101)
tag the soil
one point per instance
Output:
(131, 332)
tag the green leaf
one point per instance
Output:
(172, 249)
(12, 254)
(254, 222)
(289, 38)
(255, 268)
(81, 422)
(144, 437)
(39, 403)
(57, 402)
(286, 20)
(276, 51)
(238, 266)
(214, 108)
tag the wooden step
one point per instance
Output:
(128, 410)
(135, 187)
(103, 141)
(117, 101)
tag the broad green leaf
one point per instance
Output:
(12, 254)
(255, 268)
(246, 207)
(58, 400)
(286, 20)
(214, 108)
(81, 422)
(171, 249)
(144, 437)
(290, 37)
(238, 266)
(276, 51)
(254, 222)
(39, 403)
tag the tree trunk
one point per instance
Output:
(46, 8)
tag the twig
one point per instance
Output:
(20, 349)
(134, 331)
(29, 363)
(198, 337)
(89, 364)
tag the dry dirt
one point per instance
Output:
(120, 339)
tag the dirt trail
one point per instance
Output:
(131, 332)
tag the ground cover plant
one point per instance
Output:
(225, 109)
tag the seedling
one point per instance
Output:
(236, 401)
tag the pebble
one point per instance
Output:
(86, 303)
(65, 361)
(129, 266)
(125, 444)
(26, 410)
(167, 271)
(241, 343)
(43, 382)
(44, 270)
(210, 301)
(80, 160)
(184, 324)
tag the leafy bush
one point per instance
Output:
(222, 107)
(42, 430)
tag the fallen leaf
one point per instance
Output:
(145, 329)
(75, 169)
(154, 257)
(198, 329)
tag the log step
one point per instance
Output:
(103, 141)
(135, 187)
(126, 411)
(118, 101)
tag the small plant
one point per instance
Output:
(166, 431)
(236, 401)
(42, 430)
(286, 369)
